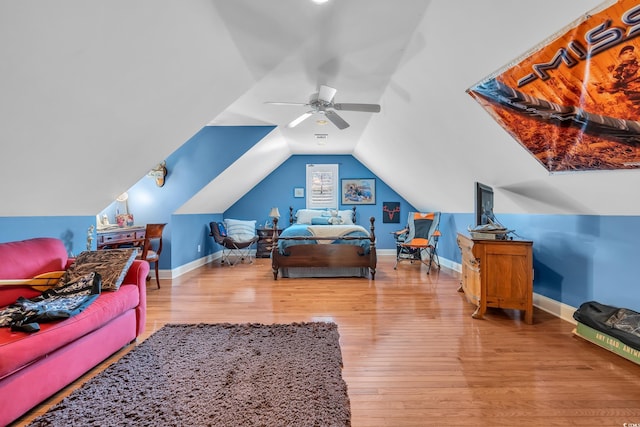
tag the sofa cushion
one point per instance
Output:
(19, 349)
(28, 258)
(111, 264)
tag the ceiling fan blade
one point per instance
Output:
(336, 119)
(326, 94)
(286, 103)
(367, 108)
(300, 119)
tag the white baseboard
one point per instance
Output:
(391, 252)
(551, 306)
(185, 268)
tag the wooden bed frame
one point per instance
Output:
(324, 255)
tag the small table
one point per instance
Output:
(265, 240)
(114, 237)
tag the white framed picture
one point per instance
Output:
(298, 192)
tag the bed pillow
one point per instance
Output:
(305, 216)
(320, 220)
(111, 264)
(346, 216)
(240, 230)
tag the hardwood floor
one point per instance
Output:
(413, 356)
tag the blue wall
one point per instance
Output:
(277, 190)
(190, 168)
(193, 231)
(576, 258)
(72, 230)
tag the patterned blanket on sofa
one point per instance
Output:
(54, 304)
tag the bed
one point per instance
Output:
(324, 244)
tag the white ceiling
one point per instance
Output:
(95, 93)
(293, 46)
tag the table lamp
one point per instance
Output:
(275, 213)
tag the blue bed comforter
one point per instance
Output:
(303, 230)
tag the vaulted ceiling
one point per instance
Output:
(94, 94)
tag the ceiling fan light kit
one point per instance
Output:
(322, 103)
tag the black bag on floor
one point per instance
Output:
(620, 323)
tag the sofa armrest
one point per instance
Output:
(137, 275)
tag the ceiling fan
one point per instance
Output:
(322, 103)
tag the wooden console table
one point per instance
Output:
(497, 273)
(115, 237)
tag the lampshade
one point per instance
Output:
(275, 213)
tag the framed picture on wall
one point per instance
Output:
(358, 191)
(298, 192)
(391, 212)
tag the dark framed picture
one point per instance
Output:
(391, 212)
(358, 191)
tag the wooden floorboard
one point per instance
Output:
(413, 356)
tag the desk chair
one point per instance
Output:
(152, 247)
(419, 240)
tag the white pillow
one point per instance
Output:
(346, 216)
(305, 216)
(240, 230)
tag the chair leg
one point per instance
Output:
(430, 262)
(433, 254)
(226, 256)
(157, 275)
(395, 267)
(437, 258)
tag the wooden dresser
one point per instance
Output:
(265, 240)
(113, 237)
(497, 273)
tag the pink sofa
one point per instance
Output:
(35, 366)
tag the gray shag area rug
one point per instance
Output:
(217, 375)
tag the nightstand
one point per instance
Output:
(265, 237)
